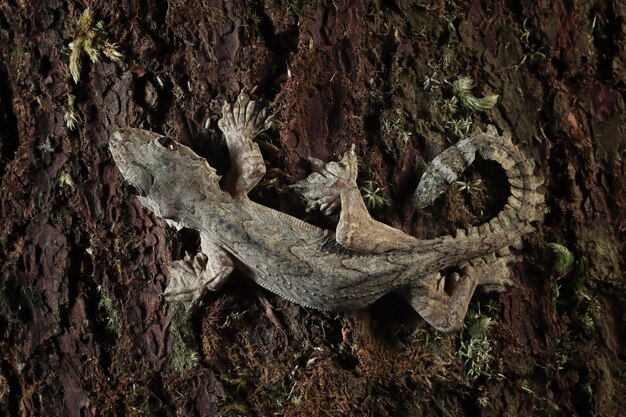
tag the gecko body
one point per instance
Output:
(340, 270)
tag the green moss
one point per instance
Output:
(109, 307)
(475, 348)
(373, 196)
(136, 398)
(91, 39)
(295, 6)
(462, 89)
(184, 353)
(233, 410)
(394, 128)
(564, 258)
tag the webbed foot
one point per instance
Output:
(445, 309)
(493, 274)
(192, 276)
(322, 189)
(241, 122)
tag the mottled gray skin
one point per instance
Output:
(319, 268)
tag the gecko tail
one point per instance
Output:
(525, 204)
(443, 171)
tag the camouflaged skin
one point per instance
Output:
(340, 270)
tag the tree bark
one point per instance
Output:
(84, 329)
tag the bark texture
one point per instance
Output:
(84, 330)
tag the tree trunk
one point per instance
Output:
(84, 328)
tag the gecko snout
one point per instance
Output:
(126, 148)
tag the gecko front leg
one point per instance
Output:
(241, 121)
(192, 276)
(207, 270)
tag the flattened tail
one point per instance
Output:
(524, 206)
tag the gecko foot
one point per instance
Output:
(244, 117)
(186, 279)
(445, 310)
(241, 121)
(493, 275)
(322, 189)
(192, 276)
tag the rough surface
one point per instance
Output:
(85, 330)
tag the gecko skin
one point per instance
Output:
(340, 270)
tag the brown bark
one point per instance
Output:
(84, 330)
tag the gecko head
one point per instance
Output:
(130, 150)
(157, 166)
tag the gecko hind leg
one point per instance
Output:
(446, 310)
(493, 272)
(192, 276)
(334, 185)
(241, 121)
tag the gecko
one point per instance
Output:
(341, 270)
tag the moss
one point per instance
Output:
(462, 89)
(91, 39)
(475, 347)
(233, 410)
(136, 399)
(564, 258)
(109, 306)
(373, 196)
(184, 353)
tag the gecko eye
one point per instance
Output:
(167, 143)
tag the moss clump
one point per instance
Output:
(184, 353)
(475, 348)
(91, 39)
